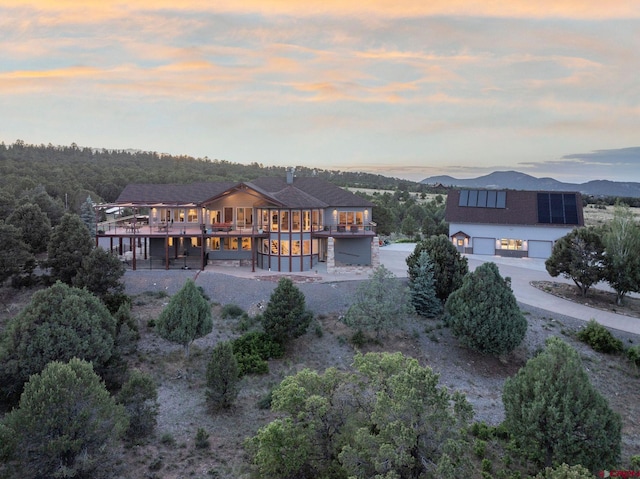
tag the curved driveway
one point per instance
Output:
(522, 271)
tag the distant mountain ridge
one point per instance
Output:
(514, 180)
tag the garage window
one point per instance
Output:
(511, 244)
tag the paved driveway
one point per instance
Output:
(522, 271)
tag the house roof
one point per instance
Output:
(305, 192)
(521, 208)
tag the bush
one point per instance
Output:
(139, 397)
(222, 377)
(58, 324)
(483, 312)
(633, 355)
(231, 311)
(252, 350)
(66, 423)
(286, 316)
(600, 338)
(202, 439)
(565, 471)
(579, 427)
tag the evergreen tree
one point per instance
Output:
(423, 292)
(58, 324)
(409, 226)
(578, 256)
(52, 207)
(387, 419)
(100, 272)
(186, 317)
(15, 257)
(556, 415)
(379, 304)
(88, 216)
(34, 224)
(286, 316)
(66, 424)
(483, 312)
(622, 258)
(222, 377)
(449, 267)
(564, 471)
(70, 243)
(139, 396)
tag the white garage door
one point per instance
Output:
(484, 246)
(540, 249)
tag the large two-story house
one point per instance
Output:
(281, 224)
(510, 222)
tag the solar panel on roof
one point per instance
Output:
(464, 197)
(558, 208)
(483, 198)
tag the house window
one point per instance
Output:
(306, 220)
(295, 248)
(181, 216)
(213, 243)
(284, 248)
(511, 244)
(228, 214)
(231, 243)
(214, 216)
(306, 247)
(316, 220)
(244, 217)
(284, 220)
(192, 216)
(274, 221)
(460, 242)
(274, 247)
(246, 244)
(295, 220)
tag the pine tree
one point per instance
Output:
(222, 377)
(483, 312)
(58, 324)
(449, 267)
(423, 292)
(557, 416)
(70, 243)
(186, 317)
(286, 316)
(88, 216)
(34, 224)
(139, 396)
(66, 423)
(380, 303)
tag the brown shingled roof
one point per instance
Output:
(521, 209)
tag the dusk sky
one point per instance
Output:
(403, 88)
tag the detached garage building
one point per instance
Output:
(511, 223)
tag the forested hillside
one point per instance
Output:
(79, 172)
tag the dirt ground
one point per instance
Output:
(172, 453)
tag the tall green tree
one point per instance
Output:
(483, 312)
(423, 290)
(70, 243)
(58, 324)
(557, 416)
(15, 255)
(88, 216)
(186, 317)
(379, 303)
(50, 206)
(449, 267)
(388, 418)
(223, 377)
(622, 247)
(34, 224)
(101, 273)
(286, 316)
(65, 425)
(579, 256)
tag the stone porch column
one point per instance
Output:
(331, 259)
(375, 252)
